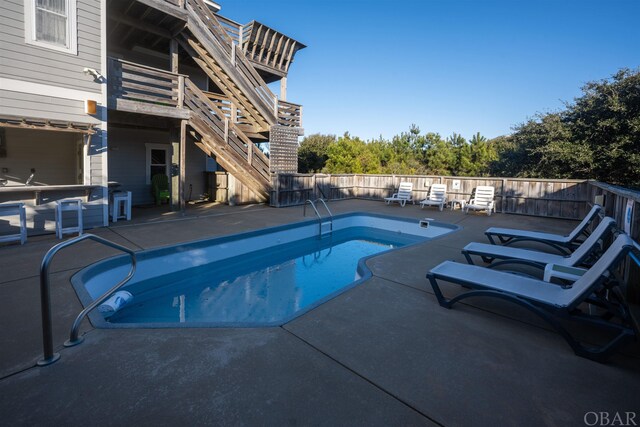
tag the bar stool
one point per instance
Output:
(65, 205)
(121, 205)
(7, 209)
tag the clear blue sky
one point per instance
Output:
(375, 67)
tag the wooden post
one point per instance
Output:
(174, 177)
(283, 89)
(300, 118)
(503, 203)
(183, 157)
(233, 54)
(173, 55)
(234, 113)
(180, 91)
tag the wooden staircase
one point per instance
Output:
(211, 47)
(218, 136)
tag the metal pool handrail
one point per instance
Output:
(313, 205)
(45, 297)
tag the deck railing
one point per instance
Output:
(140, 83)
(217, 122)
(234, 114)
(289, 114)
(233, 29)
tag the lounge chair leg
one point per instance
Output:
(468, 257)
(486, 259)
(598, 354)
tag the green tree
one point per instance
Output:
(439, 156)
(462, 155)
(509, 157)
(345, 155)
(605, 122)
(312, 153)
(483, 153)
(596, 136)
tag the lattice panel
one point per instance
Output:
(283, 149)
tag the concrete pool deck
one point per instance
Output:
(382, 353)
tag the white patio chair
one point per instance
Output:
(482, 200)
(437, 196)
(403, 195)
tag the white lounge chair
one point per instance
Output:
(482, 200)
(507, 236)
(437, 196)
(549, 300)
(511, 255)
(403, 195)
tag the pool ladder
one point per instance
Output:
(45, 298)
(323, 224)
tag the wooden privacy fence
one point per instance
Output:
(541, 197)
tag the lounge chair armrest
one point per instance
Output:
(563, 272)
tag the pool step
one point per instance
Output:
(326, 228)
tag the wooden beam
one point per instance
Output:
(282, 54)
(255, 40)
(270, 49)
(167, 8)
(263, 44)
(140, 24)
(146, 108)
(277, 49)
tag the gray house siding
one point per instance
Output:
(128, 159)
(41, 83)
(21, 61)
(44, 107)
(127, 162)
(194, 177)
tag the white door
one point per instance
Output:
(158, 161)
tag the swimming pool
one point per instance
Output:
(260, 278)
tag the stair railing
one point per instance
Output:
(202, 13)
(233, 137)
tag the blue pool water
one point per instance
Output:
(258, 278)
(260, 287)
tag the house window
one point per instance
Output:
(52, 24)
